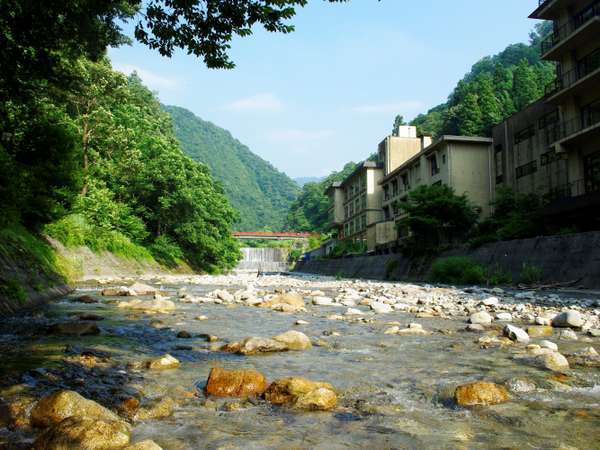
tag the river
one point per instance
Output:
(394, 390)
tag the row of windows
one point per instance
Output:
(356, 225)
(357, 187)
(546, 158)
(543, 122)
(355, 206)
(402, 183)
(526, 169)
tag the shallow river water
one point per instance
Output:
(394, 391)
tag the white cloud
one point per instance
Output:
(396, 107)
(150, 79)
(258, 102)
(297, 135)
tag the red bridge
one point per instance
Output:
(280, 236)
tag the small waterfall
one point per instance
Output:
(263, 259)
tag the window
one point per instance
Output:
(444, 158)
(357, 205)
(386, 213)
(524, 134)
(364, 222)
(551, 156)
(405, 181)
(499, 164)
(434, 165)
(346, 212)
(394, 188)
(364, 201)
(396, 209)
(386, 192)
(548, 119)
(526, 169)
(417, 173)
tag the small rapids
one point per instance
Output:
(394, 391)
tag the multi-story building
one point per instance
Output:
(553, 146)
(461, 162)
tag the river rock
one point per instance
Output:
(141, 289)
(540, 331)
(294, 340)
(354, 312)
(301, 322)
(158, 410)
(85, 299)
(568, 335)
(115, 291)
(75, 329)
(504, 316)
(222, 294)
(520, 386)
(480, 393)
(392, 330)
(381, 308)
(594, 332)
(163, 363)
(84, 433)
(144, 445)
(60, 405)
(322, 301)
(156, 305)
(552, 361)
(254, 345)
(235, 383)
(293, 299)
(184, 335)
(549, 344)
(481, 318)
(568, 319)
(302, 393)
(516, 334)
(490, 301)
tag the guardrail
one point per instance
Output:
(568, 128)
(567, 29)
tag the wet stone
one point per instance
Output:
(480, 394)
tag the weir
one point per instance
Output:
(263, 260)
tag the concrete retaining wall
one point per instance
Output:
(560, 258)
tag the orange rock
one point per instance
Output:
(235, 383)
(480, 393)
(302, 393)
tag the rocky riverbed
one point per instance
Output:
(188, 362)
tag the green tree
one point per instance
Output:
(436, 217)
(489, 105)
(398, 122)
(525, 85)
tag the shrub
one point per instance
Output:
(166, 252)
(530, 274)
(458, 270)
(390, 267)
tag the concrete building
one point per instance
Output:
(552, 147)
(463, 163)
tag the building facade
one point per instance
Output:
(552, 147)
(463, 163)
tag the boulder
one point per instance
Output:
(549, 345)
(222, 294)
(254, 345)
(290, 298)
(516, 334)
(84, 433)
(480, 393)
(354, 312)
(235, 383)
(322, 301)
(115, 291)
(540, 331)
(141, 289)
(381, 308)
(163, 363)
(184, 335)
(302, 393)
(490, 301)
(481, 318)
(552, 361)
(504, 316)
(568, 319)
(75, 329)
(568, 335)
(158, 410)
(156, 305)
(294, 340)
(59, 405)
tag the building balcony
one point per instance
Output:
(543, 10)
(575, 131)
(583, 27)
(576, 81)
(580, 195)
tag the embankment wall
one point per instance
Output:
(561, 259)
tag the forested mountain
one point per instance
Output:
(309, 211)
(495, 88)
(301, 181)
(260, 193)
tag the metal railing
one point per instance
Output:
(568, 128)
(566, 30)
(571, 77)
(569, 190)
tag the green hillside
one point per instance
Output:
(261, 194)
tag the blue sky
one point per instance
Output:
(310, 101)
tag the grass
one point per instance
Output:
(530, 274)
(462, 270)
(74, 231)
